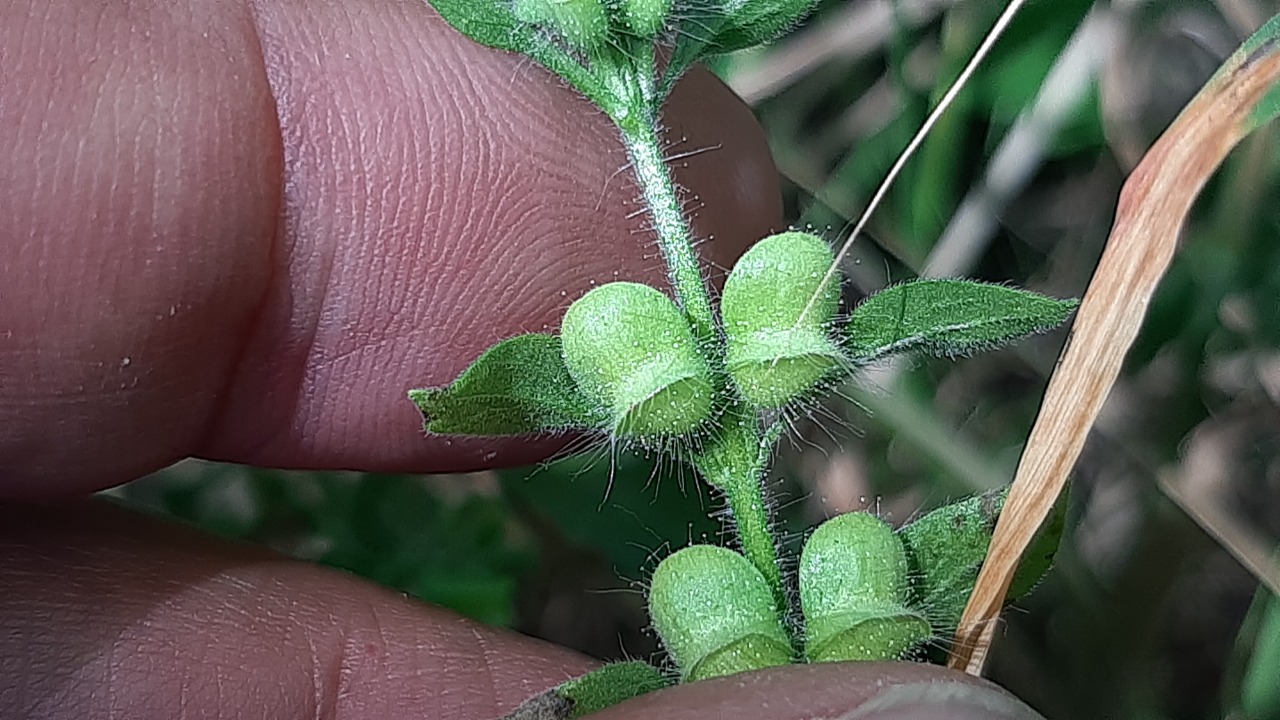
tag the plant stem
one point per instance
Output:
(733, 460)
(639, 134)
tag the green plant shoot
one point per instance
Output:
(639, 367)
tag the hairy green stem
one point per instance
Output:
(732, 459)
(733, 462)
(640, 136)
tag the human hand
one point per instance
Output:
(241, 231)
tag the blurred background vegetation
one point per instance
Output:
(1147, 614)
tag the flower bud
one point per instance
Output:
(715, 614)
(629, 348)
(776, 350)
(584, 24)
(853, 590)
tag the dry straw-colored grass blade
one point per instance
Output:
(1153, 205)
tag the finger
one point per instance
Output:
(109, 614)
(832, 691)
(106, 613)
(244, 230)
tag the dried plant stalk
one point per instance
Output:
(1153, 206)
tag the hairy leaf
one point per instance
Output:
(694, 35)
(494, 23)
(488, 22)
(601, 688)
(948, 318)
(757, 22)
(946, 548)
(518, 386)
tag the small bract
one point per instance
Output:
(778, 341)
(715, 614)
(629, 348)
(853, 591)
(584, 24)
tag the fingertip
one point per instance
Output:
(736, 197)
(847, 691)
(502, 197)
(115, 614)
(289, 214)
(140, 199)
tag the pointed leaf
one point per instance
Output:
(488, 22)
(518, 386)
(694, 36)
(599, 689)
(494, 23)
(723, 27)
(948, 318)
(760, 21)
(946, 548)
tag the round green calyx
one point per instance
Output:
(715, 614)
(645, 18)
(584, 24)
(629, 348)
(853, 590)
(779, 344)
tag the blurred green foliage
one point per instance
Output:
(445, 545)
(1144, 616)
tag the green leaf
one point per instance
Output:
(946, 548)
(599, 689)
(583, 24)
(1259, 691)
(717, 28)
(757, 22)
(612, 684)
(948, 318)
(694, 36)
(518, 386)
(488, 22)
(494, 23)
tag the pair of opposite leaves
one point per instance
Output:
(627, 361)
(586, 25)
(588, 43)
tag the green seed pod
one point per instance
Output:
(777, 351)
(629, 348)
(853, 590)
(715, 614)
(584, 24)
(645, 18)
